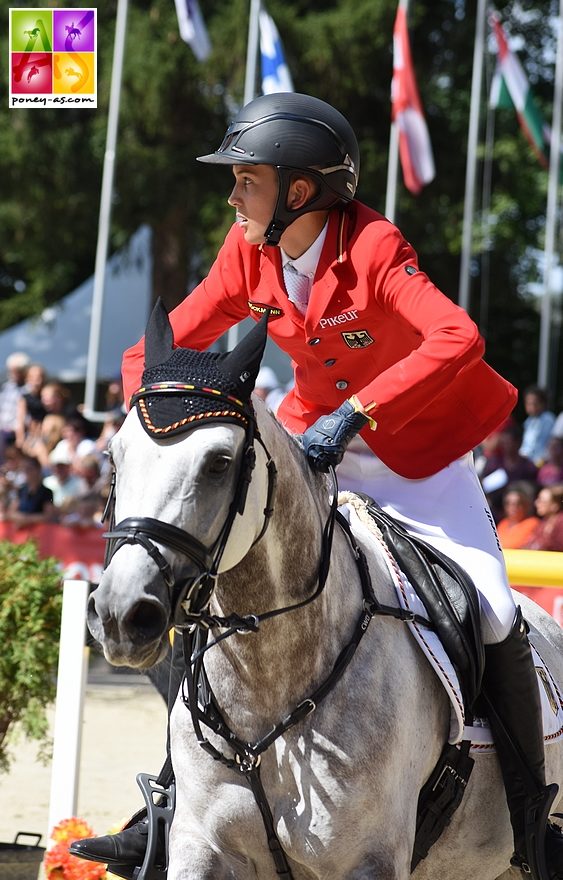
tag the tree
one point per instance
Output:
(174, 108)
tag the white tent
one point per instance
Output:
(59, 338)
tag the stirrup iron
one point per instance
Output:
(159, 815)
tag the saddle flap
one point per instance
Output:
(447, 593)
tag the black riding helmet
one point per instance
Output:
(294, 132)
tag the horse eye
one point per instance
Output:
(220, 464)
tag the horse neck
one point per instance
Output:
(293, 652)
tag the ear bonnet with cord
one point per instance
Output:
(182, 388)
(294, 132)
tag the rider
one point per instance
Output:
(383, 359)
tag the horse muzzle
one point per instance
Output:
(135, 636)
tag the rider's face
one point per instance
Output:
(254, 198)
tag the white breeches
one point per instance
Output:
(448, 510)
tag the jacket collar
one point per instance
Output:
(332, 263)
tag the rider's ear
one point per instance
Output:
(159, 338)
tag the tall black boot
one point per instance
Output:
(510, 685)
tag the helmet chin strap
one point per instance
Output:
(284, 216)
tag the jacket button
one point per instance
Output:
(314, 341)
(330, 362)
(342, 384)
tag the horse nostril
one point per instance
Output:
(147, 619)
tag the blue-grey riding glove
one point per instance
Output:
(325, 442)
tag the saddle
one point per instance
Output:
(451, 602)
(448, 595)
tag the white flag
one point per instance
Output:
(192, 28)
(275, 72)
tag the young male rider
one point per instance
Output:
(383, 359)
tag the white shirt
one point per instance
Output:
(307, 263)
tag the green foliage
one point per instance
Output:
(30, 612)
(174, 108)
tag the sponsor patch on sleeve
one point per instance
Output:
(261, 308)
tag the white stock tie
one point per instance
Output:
(297, 286)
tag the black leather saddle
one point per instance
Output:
(448, 595)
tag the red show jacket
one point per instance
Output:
(375, 326)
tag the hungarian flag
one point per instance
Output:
(516, 84)
(415, 148)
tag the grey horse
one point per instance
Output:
(342, 783)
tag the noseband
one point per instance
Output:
(190, 597)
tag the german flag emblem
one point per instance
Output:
(357, 339)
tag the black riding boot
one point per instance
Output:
(510, 684)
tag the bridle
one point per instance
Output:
(190, 603)
(190, 597)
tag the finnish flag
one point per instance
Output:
(275, 73)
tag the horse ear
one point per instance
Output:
(243, 362)
(159, 338)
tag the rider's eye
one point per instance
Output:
(220, 464)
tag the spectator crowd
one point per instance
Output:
(53, 466)
(521, 471)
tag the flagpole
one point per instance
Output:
(249, 94)
(471, 166)
(551, 213)
(393, 156)
(251, 52)
(105, 213)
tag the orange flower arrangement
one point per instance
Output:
(58, 862)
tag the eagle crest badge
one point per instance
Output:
(357, 338)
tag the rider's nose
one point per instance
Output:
(233, 199)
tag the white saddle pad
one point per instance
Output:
(363, 526)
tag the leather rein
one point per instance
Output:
(190, 602)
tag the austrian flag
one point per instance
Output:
(415, 148)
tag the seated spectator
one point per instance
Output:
(34, 501)
(85, 511)
(30, 412)
(114, 396)
(63, 483)
(75, 441)
(537, 426)
(552, 471)
(112, 423)
(506, 465)
(557, 430)
(549, 507)
(55, 398)
(10, 393)
(88, 468)
(11, 478)
(519, 522)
